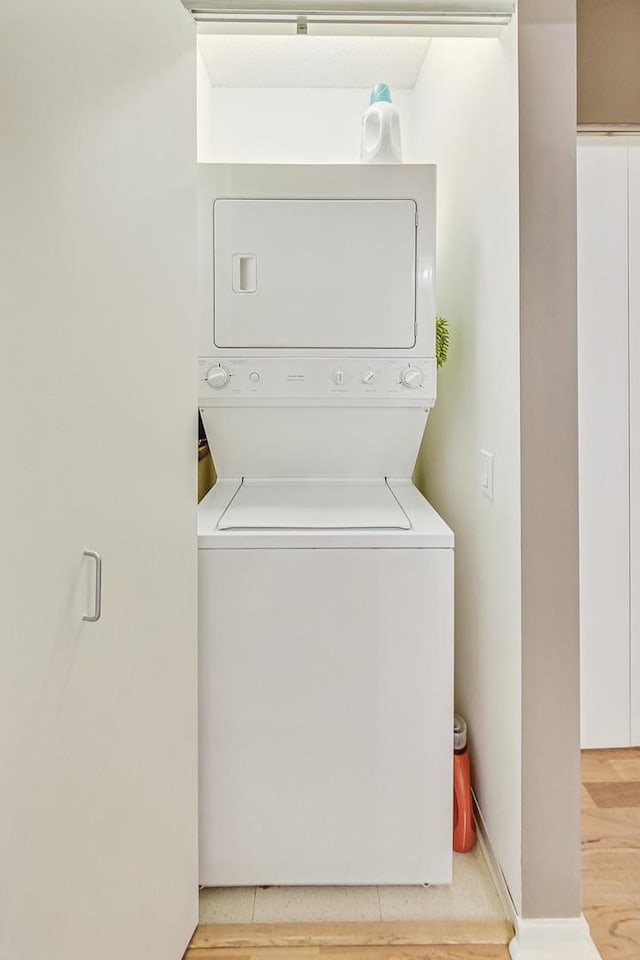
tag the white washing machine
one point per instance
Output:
(325, 578)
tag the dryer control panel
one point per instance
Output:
(317, 380)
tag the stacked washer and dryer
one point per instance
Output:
(325, 578)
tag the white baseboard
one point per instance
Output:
(555, 939)
(493, 866)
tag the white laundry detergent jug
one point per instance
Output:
(380, 140)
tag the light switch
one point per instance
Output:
(486, 473)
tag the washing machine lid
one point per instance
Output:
(314, 505)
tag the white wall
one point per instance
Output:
(603, 311)
(283, 125)
(467, 122)
(634, 421)
(205, 111)
(608, 218)
(549, 459)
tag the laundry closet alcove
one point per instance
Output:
(286, 100)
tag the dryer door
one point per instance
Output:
(314, 274)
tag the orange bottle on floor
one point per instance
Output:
(464, 830)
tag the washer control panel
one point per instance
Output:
(316, 379)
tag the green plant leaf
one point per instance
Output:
(442, 340)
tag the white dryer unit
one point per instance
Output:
(316, 260)
(326, 579)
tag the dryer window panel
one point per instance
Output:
(316, 274)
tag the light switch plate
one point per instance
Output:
(486, 473)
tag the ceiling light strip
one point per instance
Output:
(498, 13)
(408, 21)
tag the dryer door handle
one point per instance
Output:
(244, 273)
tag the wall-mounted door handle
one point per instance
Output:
(97, 606)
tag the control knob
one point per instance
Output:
(368, 377)
(412, 377)
(217, 377)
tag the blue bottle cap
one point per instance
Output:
(380, 92)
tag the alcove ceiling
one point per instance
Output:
(304, 61)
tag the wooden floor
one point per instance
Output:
(435, 952)
(611, 850)
(610, 896)
(375, 940)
